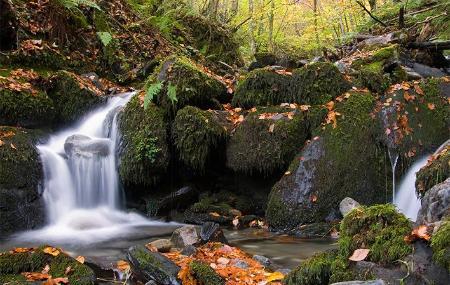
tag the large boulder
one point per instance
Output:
(14, 263)
(21, 204)
(9, 24)
(268, 139)
(22, 102)
(179, 82)
(435, 204)
(184, 236)
(152, 266)
(144, 152)
(84, 146)
(198, 135)
(73, 96)
(440, 243)
(436, 171)
(343, 160)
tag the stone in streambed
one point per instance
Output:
(84, 146)
(184, 236)
(162, 245)
(152, 266)
(189, 250)
(262, 259)
(211, 232)
(435, 204)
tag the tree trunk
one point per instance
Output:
(251, 28)
(315, 9)
(234, 8)
(271, 20)
(373, 5)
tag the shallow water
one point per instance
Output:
(285, 251)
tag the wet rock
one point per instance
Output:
(184, 236)
(200, 218)
(372, 282)
(152, 266)
(176, 200)
(411, 74)
(262, 259)
(189, 250)
(347, 205)
(427, 71)
(235, 213)
(9, 24)
(435, 204)
(240, 263)
(314, 230)
(84, 146)
(163, 245)
(211, 232)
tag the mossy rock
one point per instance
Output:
(379, 228)
(13, 264)
(197, 135)
(144, 153)
(262, 87)
(318, 83)
(440, 243)
(378, 71)
(266, 146)
(73, 96)
(433, 173)
(343, 161)
(26, 108)
(205, 274)
(181, 83)
(21, 206)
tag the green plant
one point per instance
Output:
(147, 149)
(172, 93)
(105, 38)
(152, 91)
(76, 4)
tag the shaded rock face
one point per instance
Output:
(84, 146)
(347, 204)
(211, 232)
(8, 24)
(152, 266)
(435, 204)
(184, 236)
(21, 206)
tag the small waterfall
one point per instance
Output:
(81, 187)
(393, 158)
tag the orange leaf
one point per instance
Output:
(52, 251)
(418, 89)
(330, 105)
(275, 276)
(56, 281)
(22, 249)
(35, 276)
(80, 259)
(122, 266)
(431, 106)
(359, 254)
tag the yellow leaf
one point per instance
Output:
(52, 251)
(80, 259)
(431, 106)
(123, 266)
(214, 214)
(275, 276)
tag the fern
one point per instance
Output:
(75, 4)
(105, 38)
(172, 93)
(152, 91)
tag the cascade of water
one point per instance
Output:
(393, 157)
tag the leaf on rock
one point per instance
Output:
(56, 281)
(275, 276)
(360, 254)
(271, 128)
(421, 232)
(46, 269)
(431, 106)
(80, 259)
(52, 251)
(122, 266)
(35, 276)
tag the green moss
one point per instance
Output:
(440, 243)
(318, 83)
(185, 84)
(436, 172)
(145, 153)
(13, 279)
(314, 271)
(37, 58)
(196, 135)
(72, 96)
(268, 145)
(262, 87)
(379, 228)
(205, 274)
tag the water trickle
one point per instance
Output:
(81, 187)
(393, 157)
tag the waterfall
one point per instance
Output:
(81, 187)
(393, 158)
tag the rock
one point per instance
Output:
(239, 263)
(175, 200)
(435, 172)
(147, 266)
(211, 232)
(163, 245)
(9, 24)
(236, 213)
(435, 204)
(189, 250)
(84, 146)
(184, 236)
(21, 204)
(411, 74)
(347, 205)
(371, 282)
(427, 71)
(382, 40)
(262, 259)
(200, 218)
(314, 230)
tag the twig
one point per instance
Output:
(370, 14)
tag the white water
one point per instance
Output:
(81, 188)
(406, 199)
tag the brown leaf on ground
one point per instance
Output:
(35, 276)
(122, 266)
(359, 254)
(52, 251)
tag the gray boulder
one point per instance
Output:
(427, 71)
(347, 205)
(152, 266)
(435, 204)
(211, 232)
(372, 282)
(84, 146)
(162, 245)
(184, 236)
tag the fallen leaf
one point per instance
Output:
(275, 276)
(287, 173)
(330, 105)
(418, 89)
(1, 143)
(223, 260)
(235, 222)
(13, 146)
(80, 259)
(56, 281)
(360, 254)
(35, 276)
(46, 269)
(122, 266)
(214, 214)
(68, 270)
(431, 106)
(22, 249)
(304, 108)
(271, 128)
(52, 251)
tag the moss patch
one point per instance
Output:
(145, 153)
(314, 271)
(436, 172)
(205, 274)
(440, 243)
(196, 135)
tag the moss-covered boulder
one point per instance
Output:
(269, 138)
(440, 243)
(318, 83)
(73, 96)
(314, 271)
(13, 263)
(435, 172)
(22, 102)
(379, 70)
(343, 160)
(379, 228)
(21, 206)
(198, 135)
(179, 82)
(205, 274)
(262, 87)
(144, 152)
